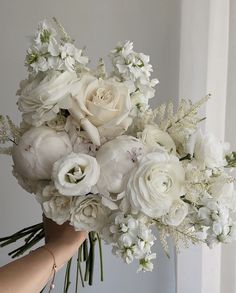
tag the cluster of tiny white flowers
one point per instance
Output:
(47, 53)
(134, 68)
(132, 239)
(220, 227)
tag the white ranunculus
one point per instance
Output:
(116, 158)
(88, 213)
(155, 137)
(209, 151)
(37, 151)
(177, 213)
(75, 174)
(155, 184)
(103, 104)
(43, 97)
(57, 208)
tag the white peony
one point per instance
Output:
(101, 104)
(177, 213)
(43, 97)
(209, 151)
(116, 159)
(37, 151)
(75, 174)
(155, 184)
(155, 137)
(31, 186)
(57, 208)
(88, 213)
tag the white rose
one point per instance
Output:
(103, 104)
(57, 208)
(116, 158)
(37, 150)
(209, 151)
(155, 184)
(155, 137)
(75, 174)
(177, 213)
(88, 213)
(43, 97)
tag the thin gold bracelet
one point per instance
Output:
(52, 285)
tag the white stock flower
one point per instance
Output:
(209, 151)
(105, 104)
(134, 68)
(155, 184)
(70, 55)
(116, 158)
(75, 174)
(177, 213)
(57, 208)
(88, 213)
(145, 264)
(37, 151)
(154, 137)
(43, 97)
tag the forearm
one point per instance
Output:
(31, 273)
(28, 274)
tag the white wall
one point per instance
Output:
(228, 258)
(154, 26)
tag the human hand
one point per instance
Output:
(62, 240)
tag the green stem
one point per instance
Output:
(85, 250)
(78, 271)
(67, 277)
(19, 251)
(86, 274)
(101, 257)
(22, 231)
(92, 240)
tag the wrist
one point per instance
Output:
(64, 250)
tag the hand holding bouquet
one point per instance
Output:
(95, 154)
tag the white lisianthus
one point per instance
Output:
(116, 158)
(58, 208)
(155, 137)
(37, 151)
(103, 104)
(177, 213)
(155, 184)
(88, 213)
(43, 97)
(209, 151)
(75, 174)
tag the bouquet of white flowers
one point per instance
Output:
(94, 153)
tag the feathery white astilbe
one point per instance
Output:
(182, 123)
(9, 132)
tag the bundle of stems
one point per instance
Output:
(85, 256)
